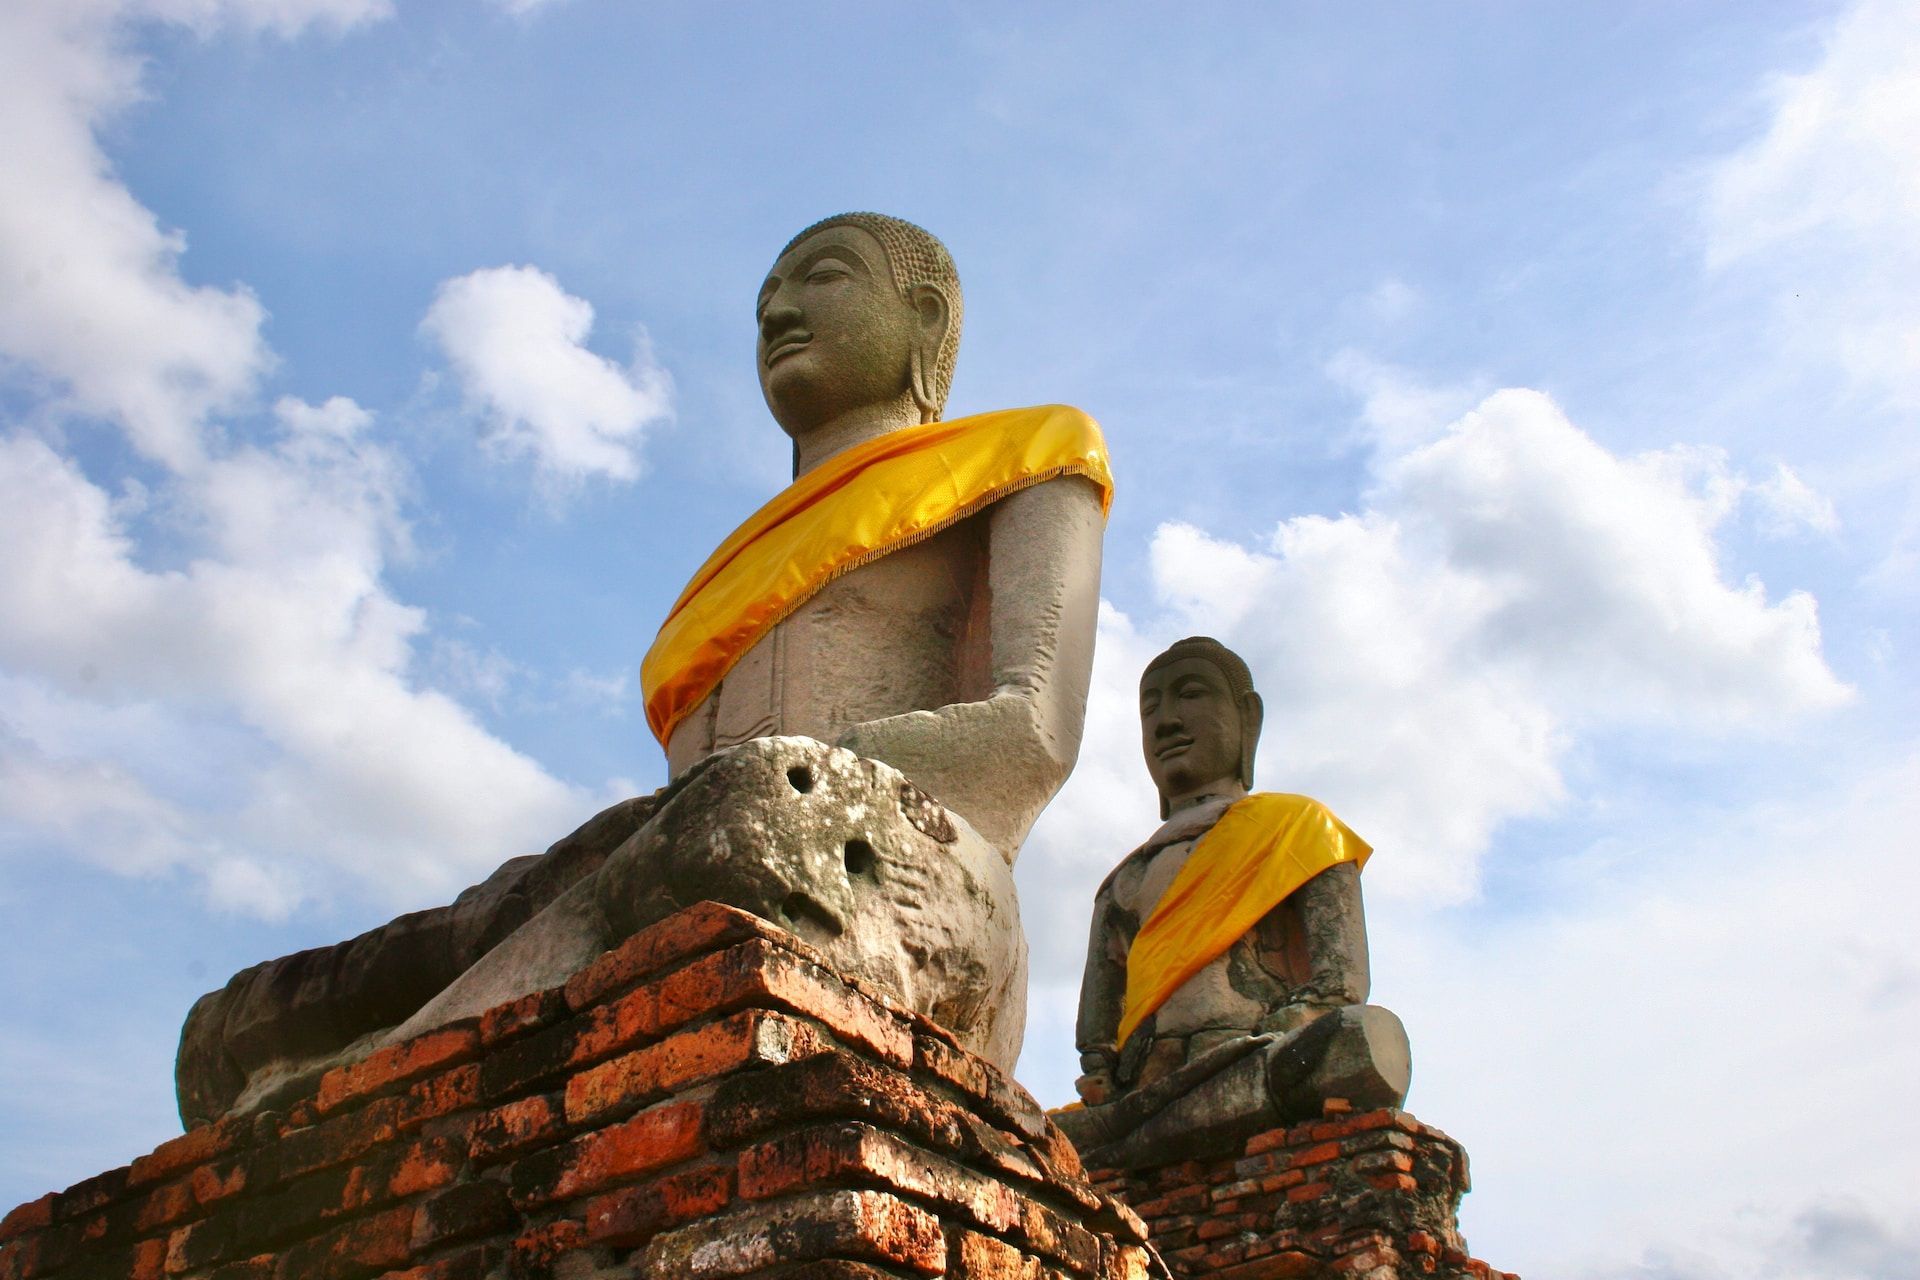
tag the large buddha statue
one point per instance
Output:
(866, 696)
(1227, 976)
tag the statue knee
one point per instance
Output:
(1358, 1053)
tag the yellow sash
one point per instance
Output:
(854, 508)
(1261, 849)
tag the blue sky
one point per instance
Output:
(1527, 391)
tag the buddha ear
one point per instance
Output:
(932, 317)
(1252, 714)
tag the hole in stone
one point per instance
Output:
(808, 918)
(860, 858)
(800, 778)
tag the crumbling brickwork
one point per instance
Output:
(707, 1100)
(1366, 1196)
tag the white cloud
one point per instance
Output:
(92, 303)
(1397, 411)
(279, 651)
(1427, 663)
(515, 339)
(1824, 206)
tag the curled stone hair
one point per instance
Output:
(1239, 683)
(914, 257)
(1232, 666)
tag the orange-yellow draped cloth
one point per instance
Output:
(857, 506)
(1259, 851)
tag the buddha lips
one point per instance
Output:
(859, 505)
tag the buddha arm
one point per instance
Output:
(999, 760)
(1335, 923)
(1103, 987)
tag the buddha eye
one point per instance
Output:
(825, 273)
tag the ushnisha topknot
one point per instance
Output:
(1239, 678)
(915, 257)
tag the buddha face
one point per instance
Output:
(835, 333)
(1191, 728)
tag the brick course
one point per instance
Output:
(707, 1100)
(1361, 1196)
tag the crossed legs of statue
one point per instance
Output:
(1225, 1095)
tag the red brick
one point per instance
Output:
(632, 1019)
(361, 1247)
(165, 1206)
(750, 1037)
(1288, 1265)
(1392, 1182)
(855, 1225)
(631, 1216)
(1308, 1191)
(760, 971)
(1271, 1140)
(1362, 1122)
(149, 1260)
(461, 1213)
(440, 1095)
(516, 1018)
(971, 1256)
(703, 927)
(426, 1165)
(195, 1146)
(1124, 1262)
(34, 1215)
(833, 1154)
(341, 1138)
(469, 1264)
(654, 1139)
(1045, 1231)
(1318, 1154)
(1003, 1101)
(534, 1252)
(1221, 1225)
(833, 1086)
(516, 1127)
(397, 1064)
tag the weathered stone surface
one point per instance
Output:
(826, 845)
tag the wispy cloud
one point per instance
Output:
(1823, 208)
(515, 340)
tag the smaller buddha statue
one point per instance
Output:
(1226, 982)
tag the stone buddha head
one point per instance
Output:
(1199, 722)
(859, 315)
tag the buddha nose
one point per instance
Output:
(779, 316)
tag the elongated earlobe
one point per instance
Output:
(1252, 714)
(918, 381)
(933, 316)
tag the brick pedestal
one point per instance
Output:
(1367, 1196)
(706, 1101)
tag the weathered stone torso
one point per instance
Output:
(1229, 996)
(902, 633)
